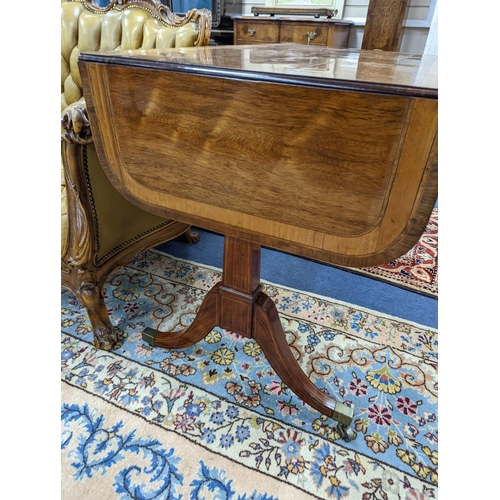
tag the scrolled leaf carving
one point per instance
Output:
(76, 126)
(81, 248)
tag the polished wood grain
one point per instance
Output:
(284, 157)
(327, 33)
(325, 153)
(246, 30)
(384, 25)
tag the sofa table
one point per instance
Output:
(325, 153)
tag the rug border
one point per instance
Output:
(269, 417)
(408, 288)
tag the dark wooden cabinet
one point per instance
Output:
(322, 32)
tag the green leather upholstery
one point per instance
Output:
(85, 31)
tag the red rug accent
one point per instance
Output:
(416, 270)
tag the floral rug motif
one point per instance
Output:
(214, 420)
(417, 269)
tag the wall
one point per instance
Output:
(419, 17)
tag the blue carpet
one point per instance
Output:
(321, 279)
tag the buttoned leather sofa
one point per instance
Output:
(100, 229)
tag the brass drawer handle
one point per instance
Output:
(310, 35)
(251, 32)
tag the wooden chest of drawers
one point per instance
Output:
(325, 32)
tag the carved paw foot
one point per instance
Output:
(92, 298)
(104, 339)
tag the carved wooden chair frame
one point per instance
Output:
(83, 270)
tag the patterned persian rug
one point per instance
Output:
(214, 421)
(417, 270)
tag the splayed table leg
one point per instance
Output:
(238, 304)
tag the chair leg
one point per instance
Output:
(92, 297)
(191, 236)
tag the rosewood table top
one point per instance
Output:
(390, 72)
(326, 153)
